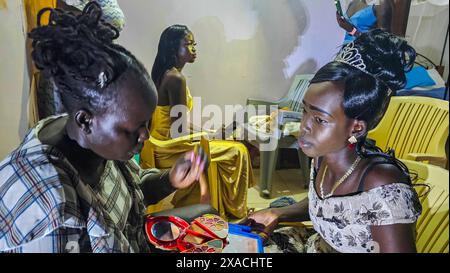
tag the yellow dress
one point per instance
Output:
(234, 168)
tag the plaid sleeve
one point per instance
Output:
(154, 184)
(34, 199)
(140, 173)
(61, 240)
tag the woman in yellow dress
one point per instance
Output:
(235, 176)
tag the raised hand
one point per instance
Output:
(344, 23)
(188, 169)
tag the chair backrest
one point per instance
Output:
(433, 224)
(413, 125)
(293, 99)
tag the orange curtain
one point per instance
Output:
(32, 7)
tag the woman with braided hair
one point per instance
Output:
(360, 199)
(71, 185)
(48, 98)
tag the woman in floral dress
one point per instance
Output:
(360, 199)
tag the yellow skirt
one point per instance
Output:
(234, 174)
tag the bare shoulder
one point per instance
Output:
(173, 76)
(173, 81)
(383, 174)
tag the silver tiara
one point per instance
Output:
(351, 56)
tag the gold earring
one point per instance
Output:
(352, 140)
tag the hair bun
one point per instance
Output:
(73, 44)
(386, 56)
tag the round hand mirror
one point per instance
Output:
(165, 231)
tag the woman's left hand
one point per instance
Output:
(187, 170)
(343, 23)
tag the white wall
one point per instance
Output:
(246, 48)
(13, 79)
(426, 30)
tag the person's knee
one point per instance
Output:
(188, 213)
(198, 210)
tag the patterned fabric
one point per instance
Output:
(112, 13)
(45, 207)
(344, 222)
(296, 239)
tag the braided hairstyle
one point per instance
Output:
(79, 54)
(367, 95)
(167, 56)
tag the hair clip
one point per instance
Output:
(102, 79)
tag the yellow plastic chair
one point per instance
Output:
(416, 128)
(432, 225)
(190, 140)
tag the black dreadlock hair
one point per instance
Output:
(84, 63)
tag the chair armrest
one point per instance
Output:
(432, 159)
(177, 141)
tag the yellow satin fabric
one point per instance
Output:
(230, 159)
(32, 8)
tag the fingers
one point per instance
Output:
(194, 172)
(190, 156)
(205, 161)
(189, 168)
(340, 18)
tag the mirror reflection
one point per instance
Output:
(165, 231)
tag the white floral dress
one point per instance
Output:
(343, 222)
